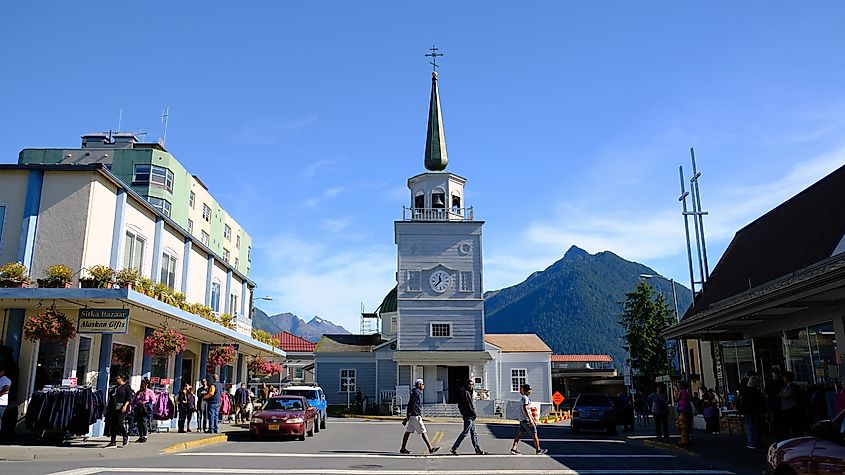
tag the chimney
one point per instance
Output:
(95, 140)
(124, 139)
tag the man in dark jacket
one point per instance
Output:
(467, 407)
(413, 419)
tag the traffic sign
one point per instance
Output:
(558, 398)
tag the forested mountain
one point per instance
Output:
(574, 304)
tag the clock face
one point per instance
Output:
(440, 281)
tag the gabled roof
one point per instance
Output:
(517, 342)
(800, 232)
(291, 342)
(347, 343)
(582, 359)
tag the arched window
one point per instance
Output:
(456, 204)
(438, 199)
(419, 200)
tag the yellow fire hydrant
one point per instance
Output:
(683, 428)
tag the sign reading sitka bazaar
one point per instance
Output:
(103, 320)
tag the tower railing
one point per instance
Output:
(437, 214)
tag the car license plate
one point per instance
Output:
(273, 427)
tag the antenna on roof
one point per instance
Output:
(120, 119)
(164, 116)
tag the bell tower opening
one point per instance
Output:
(438, 199)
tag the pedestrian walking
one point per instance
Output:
(142, 409)
(213, 399)
(626, 411)
(5, 386)
(413, 419)
(527, 423)
(773, 388)
(684, 407)
(202, 406)
(119, 399)
(753, 408)
(242, 401)
(186, 405)
(466, 404)
(660, 411)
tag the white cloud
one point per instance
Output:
(312, 169)
(336, 224)
(269, 132)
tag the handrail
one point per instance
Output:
(437, 214)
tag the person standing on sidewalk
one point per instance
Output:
(142, 408)
(527, 423)
(213, 399)
(466, 405)
(242, 400)
(660, 411)
(119, 398)
(202, 406)
(753, 408)
(186, 405)
(413, 419)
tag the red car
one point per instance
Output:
(285, 416)
(821, 454)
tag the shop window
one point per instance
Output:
(51, 365)
(83, 358)
(133, 251)
(122, 361)
(226, 374)
(737, 359)
(158, 368)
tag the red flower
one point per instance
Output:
(164, 342)
(51, 325)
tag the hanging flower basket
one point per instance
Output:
(164, 342)
(261, 366)
(51, 325)
(221, 355)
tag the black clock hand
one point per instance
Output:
(439, 280)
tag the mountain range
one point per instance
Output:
(288, 322)
(574, 304)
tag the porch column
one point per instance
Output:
(14, 331)
(103, 375)
(244, 290)
(203, 361)
(31, 207)
(155, 272)
(239, 371)
(177, 373)
(116, 257)
(147, 360)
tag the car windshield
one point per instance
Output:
(283, 405)
(593, 400)
(306, 393)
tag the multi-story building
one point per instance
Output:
(152, 172)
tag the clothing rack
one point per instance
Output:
(162, 390)
(40, 402)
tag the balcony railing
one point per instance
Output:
(437, 214)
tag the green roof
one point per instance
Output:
(388, 305)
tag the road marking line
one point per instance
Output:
(329, 471)
(648, 436)
(365, 455)
(601, 441)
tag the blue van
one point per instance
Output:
(315, 397)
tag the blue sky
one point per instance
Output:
(569, 119)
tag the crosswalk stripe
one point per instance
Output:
(365, 455)
(328, 471)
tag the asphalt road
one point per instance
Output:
(355, 447)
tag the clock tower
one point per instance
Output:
(440, 304)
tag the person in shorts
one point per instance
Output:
(527, 424)
(413, 419)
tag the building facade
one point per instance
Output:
(82, 216)
(154, 173)
(433, 320)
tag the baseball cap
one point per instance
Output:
(418, 382)
(526, 387)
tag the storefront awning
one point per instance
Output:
(445, 358)
(143, 309)
(816, 291)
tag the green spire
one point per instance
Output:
(435, 139)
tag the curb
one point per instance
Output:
(192, 444)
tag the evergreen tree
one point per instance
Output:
(645, 315)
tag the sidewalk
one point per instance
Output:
(27, 447)
(728, 451)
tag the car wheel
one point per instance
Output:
(317, 424)
(323, 422)
(301, 437)
(575, 429)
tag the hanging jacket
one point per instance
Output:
(225, 404)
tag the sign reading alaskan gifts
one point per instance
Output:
(103, 320)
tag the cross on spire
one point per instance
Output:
(433, 55)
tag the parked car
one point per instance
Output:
(593, 411)
(285, 416)
(822, 453)
(315, 397)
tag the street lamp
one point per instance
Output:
(266, 297)
(678, 344)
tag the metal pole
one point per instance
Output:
(696, 216)
(696, 174)
(683, 200)
(679, 343)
